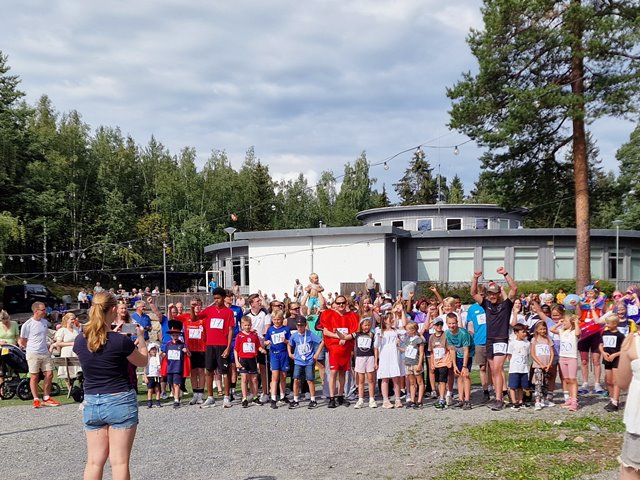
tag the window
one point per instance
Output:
(596, 262)
(460, 264)
(503, 224)
(514, 224)
(525, 263)
(615, 268)
(454, 224)
(377, 224)
(398, 223)
(424, 224)
(635, 265)
(428, 264)
(482, 223)
(492, 259)
(564, 262)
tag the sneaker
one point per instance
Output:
(373, 403)
(566, 404)
(359, 403)
(548, 403)
(466, 406)
(245, 403)
(497, 406)
(226, 403)
(176, 405)
(163, 395)
(597, 388)
(448, 400)
(486, 398)
(50, 402)
(610, 407)
(274, 404)
(332, 403)
(37, 403)
(418, 406)
(574, 405)
(312, 404)
(524, 406)
(264, 398)
(307, 396)
(387, 405)
(434, 395)
(194, 400)
(258, 401)
(208, 403)
(158, 404)
(458, 404)
(584, 389)
(398, 404)
(440, 404)
(294, 404)
(231, 396)
(345, 402)
(515, 406)
(403, 394)
(149, 404)
(409, 404)
(538, 406)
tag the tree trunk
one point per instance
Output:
(580, 163)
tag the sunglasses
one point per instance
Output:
(294, 308)
(341, 303)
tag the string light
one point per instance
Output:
(386, 166)
(456, 150)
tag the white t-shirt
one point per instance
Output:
(568, 343)
(36, 332)
(519, 351)
(260, 322)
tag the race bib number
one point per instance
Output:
(249, 347)
(610, 341)
(482, 318)
(439, 353)
(500, 348)
(217, 323)
(411, 352)
(344, 331)
(195, 333)
(173, 354)
(519, 359)
(277, 338)
(632, 310)
(566, 347)
(364, 343)
(304, 348)
(542, 350)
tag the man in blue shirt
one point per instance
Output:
(477, 325)
(142, 318)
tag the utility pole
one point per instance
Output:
(44, 246)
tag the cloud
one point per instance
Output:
(306, 83)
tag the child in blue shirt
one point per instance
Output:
(175, 353)
(276, 338)
(304, 348)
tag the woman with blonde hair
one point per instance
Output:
(64, 338)
(110, 412)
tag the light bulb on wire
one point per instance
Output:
(386, 166)
(456, 150)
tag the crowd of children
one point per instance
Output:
(404, 349)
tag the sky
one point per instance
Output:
(309, 84)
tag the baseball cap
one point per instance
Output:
(301, 321)
(493, 288)
(439, 321)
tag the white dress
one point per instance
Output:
(631, 411)
(66, 335)
(389, 355)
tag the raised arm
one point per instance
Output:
(474, 287)
(513, 286)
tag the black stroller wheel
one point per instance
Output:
(55, 389)
(24, 390)
(6, 392)
(77, 393)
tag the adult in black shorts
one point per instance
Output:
(498, 312)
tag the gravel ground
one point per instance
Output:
(253, 443)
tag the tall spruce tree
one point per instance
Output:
(417, 186)
(547, 69)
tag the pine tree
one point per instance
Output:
(417, 186)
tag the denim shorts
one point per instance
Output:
(306, 371)
(115, 410)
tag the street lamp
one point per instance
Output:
(230, 231)
(617, 224)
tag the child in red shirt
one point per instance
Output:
(247, 347)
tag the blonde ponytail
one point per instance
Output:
(96, 328)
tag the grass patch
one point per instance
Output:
(537, 449)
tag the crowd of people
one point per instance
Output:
(360, 346)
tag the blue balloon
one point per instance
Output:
(569, 299)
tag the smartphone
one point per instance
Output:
(129, 328)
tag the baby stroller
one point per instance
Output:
(13, 362)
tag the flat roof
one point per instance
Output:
(522, 232)
(225, 246)
(440, 206)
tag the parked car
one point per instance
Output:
(19, 298)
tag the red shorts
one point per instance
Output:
(340, 360)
